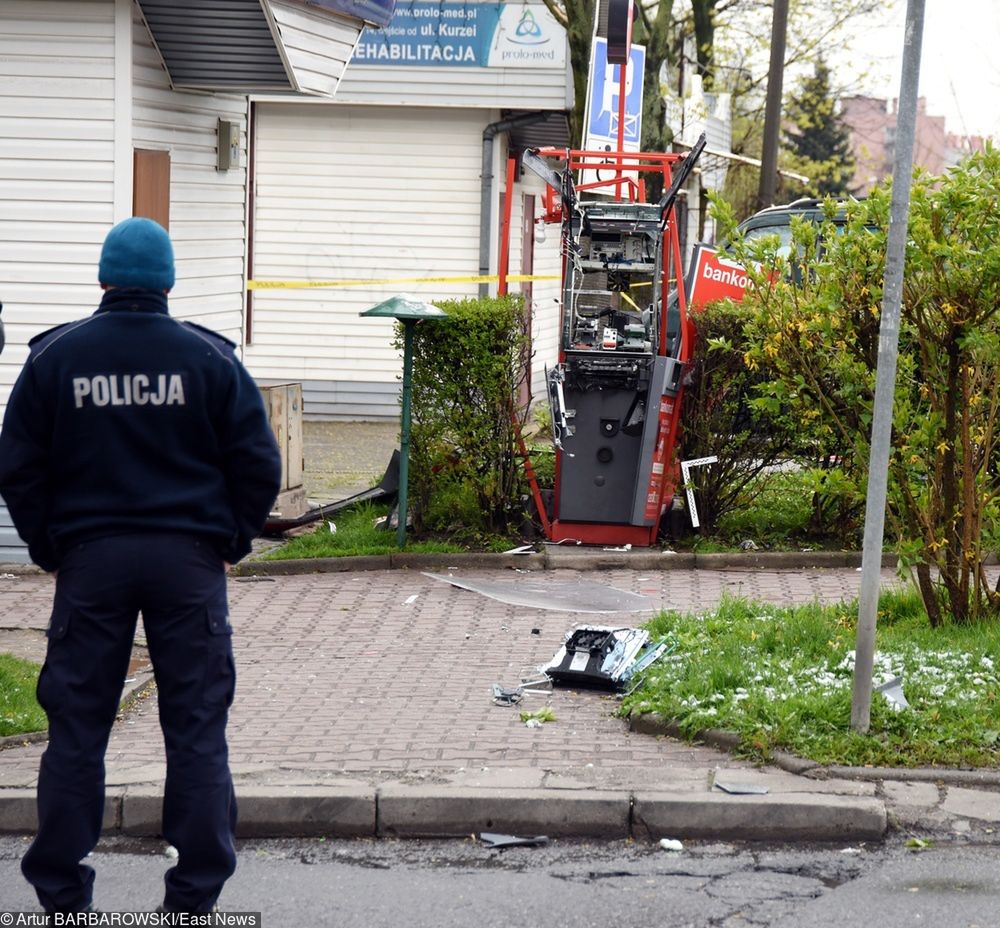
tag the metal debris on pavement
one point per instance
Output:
(535, 680)
(603, 656)
(742, 789)
(503, 696)
(560, 595)
(492, 839)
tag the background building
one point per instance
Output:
(872, 125)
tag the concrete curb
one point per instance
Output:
(399, 811)
(653, 723)
(948, 776)
(560, 558)
(23, 740)
(792, 817)
(424, 812)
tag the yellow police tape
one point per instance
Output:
(472, 279)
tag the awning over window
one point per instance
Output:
(242, 46)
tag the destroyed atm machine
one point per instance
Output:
(615, 394)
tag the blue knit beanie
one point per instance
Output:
(137, 253)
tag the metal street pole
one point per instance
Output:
(885, 377)
(772, 108)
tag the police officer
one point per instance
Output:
(137, 463)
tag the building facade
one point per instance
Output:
(191, 112)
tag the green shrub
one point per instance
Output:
(719, 417)
(468, 371)
(820, 336)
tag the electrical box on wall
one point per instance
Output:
(229, 145)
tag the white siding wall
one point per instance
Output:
(346, 193)
(544, 306)
(56, 164)
(57, 174)
(317, 45)
(357, 193)
(207, 207)
(523, 89)
(545, 298)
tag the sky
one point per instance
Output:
(959, 62)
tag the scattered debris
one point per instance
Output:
(254, 579)
(742, 789)
(603, 656)
(171, 852)
(332, 526)
(502, 696)
(893, 691)
(410, 600)
(8, 576)
(619, 548)
(918, 844)
(561, 595)
(671, 844)
(536, 631)
(749, 545)
(545, 714)
(491, 839)
(521, 549)
(850, 850)
(536, 681)
(686, 467)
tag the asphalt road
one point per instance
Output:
(419, 884)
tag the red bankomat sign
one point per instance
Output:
(713, 278)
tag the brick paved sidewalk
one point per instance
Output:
(386, 675)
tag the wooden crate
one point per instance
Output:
(283, 402)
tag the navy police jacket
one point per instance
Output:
(132, 421)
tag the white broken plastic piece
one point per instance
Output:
(171, 852)
(671, 844)
(410, 600)
(333, 527)
(533, 723)
(521, 549)
(893, 691)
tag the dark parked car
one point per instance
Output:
(777, 220)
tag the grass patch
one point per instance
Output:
(781, 677)
(356, 535)
(776, 512)
(19, 711)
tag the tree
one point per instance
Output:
(817, 326)
(728, 36)
(818, 143)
